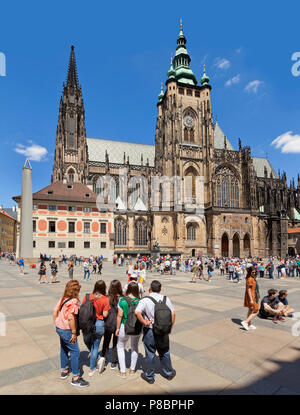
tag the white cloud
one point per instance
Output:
(33, 151)
(287, 142)
(239, 50)
(235, 80)
(253, 86)
(222, 63)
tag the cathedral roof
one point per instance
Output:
(219, 139)
(116, 149)
(259, 164)
(97, 149)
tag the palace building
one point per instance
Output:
(248, 208)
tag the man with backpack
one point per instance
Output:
(156, 313)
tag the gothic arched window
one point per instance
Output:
(140, 233)
(191, 232)
(120, 232)
(191, 183)
(226, 188)
(71, 176)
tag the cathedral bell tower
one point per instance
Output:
(70, 160)
(184, 129)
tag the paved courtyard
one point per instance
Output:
(210, 351)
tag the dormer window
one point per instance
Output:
(87, 195)
(70, 186)
(50, 192)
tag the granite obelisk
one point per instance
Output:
(26, 244)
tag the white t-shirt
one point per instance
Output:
(146, 306)
(130, 269)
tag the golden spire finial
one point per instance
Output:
(171, 60)
(180, 24)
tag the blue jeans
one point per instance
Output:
(92, 342)
(163, 351)
(271, 274)
(67, 347)
(86, 271)
(231, 275)
(237, 276)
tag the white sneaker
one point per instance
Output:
(101, 363)
(92, 373)
(245, 325)
(252, 327)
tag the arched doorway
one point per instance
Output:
(236, 246)
(247, 245)
(225, 246)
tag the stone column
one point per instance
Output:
(26, 244)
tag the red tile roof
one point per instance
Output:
(59, 191)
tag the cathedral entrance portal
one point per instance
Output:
(225, 246)
(236, 246)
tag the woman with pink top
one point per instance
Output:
(64, 317)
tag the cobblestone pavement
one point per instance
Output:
(210, 351)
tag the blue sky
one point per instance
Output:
(123, 53)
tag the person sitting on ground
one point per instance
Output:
(282, 297)
(271, 307)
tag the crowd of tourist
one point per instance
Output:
(125, 313)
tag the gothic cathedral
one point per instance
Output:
(247, 207)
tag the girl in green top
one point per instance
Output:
(133, 294)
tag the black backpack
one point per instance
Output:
(133, 326)
(162, 317)
(111, 320)
(87, 316)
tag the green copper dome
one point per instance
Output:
(171, 73)
(205, 79)
(181, 62)
(161, 95)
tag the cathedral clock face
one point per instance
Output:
(188, 121)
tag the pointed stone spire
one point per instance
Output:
(225, 143)
(240, 145)
(72, 79)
